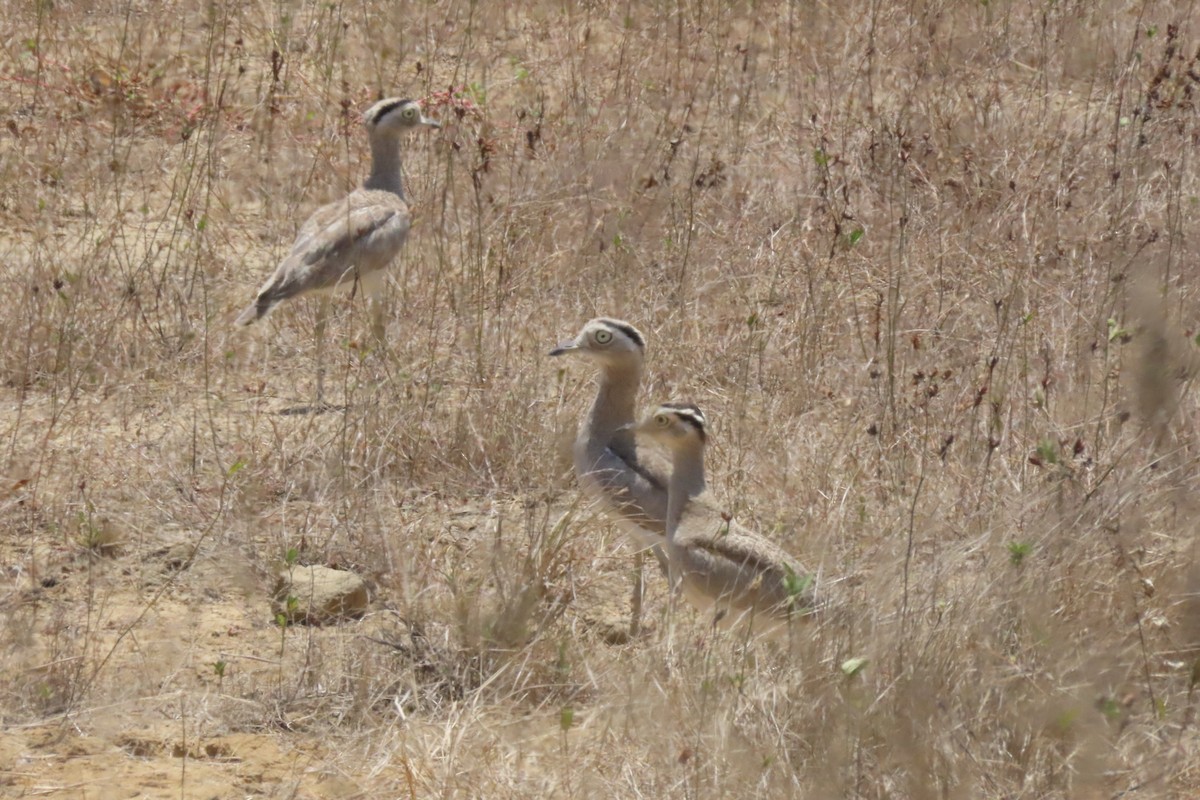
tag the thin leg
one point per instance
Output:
(379, 320)
(660, 555)
(675, 589)
(375, 291)
(635, 614)
(322, 319)
(718, 615)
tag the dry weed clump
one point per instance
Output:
(929, 268)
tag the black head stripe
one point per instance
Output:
(627, 329)
(689, 414)
(387, 109)
(691, 408)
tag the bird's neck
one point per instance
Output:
(687, 481)
(613, 408)
(385, 166)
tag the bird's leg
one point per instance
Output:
(379, 319)
(322, 320)
(718, 615)
(675, 588)
(635, 613)
(375, 290)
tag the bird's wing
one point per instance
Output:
(640, 505)
(705, 527)
(365, 230)
(628, 491)
(648, 462)
(632, 480)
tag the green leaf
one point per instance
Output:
(1110, 708)
(1017, 552)
(566, 718)
(853, 666)
(1066, 721)
(235, 468)
(856, 236)
(796, 585)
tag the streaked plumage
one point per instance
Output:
(608, 464)
(630, 484)
(720, 565)
(348, 243)
(352, 239)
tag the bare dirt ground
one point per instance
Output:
(929, 268)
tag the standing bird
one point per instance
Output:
(607, 462)
(738, 574)
(348, 243)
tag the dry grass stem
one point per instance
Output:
(930, 269)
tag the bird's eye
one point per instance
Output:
(602, 337)
(410, 112)
(662, 420)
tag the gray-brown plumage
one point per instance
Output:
(608, 464)
(348, 243)
(740, 575)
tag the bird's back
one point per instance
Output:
(340, 245)
(365, 230)
(737, 567)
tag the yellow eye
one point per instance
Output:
(662, 420)
(410, 112)
(602, 337)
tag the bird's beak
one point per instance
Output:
(432, 123)
(563, 348)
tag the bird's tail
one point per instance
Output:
(255, 311)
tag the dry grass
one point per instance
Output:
(930, 269)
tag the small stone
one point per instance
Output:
(318, 595)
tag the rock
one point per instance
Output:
(318, 595)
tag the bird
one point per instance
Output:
(348, 243)
(608, 464)
(719, 565)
